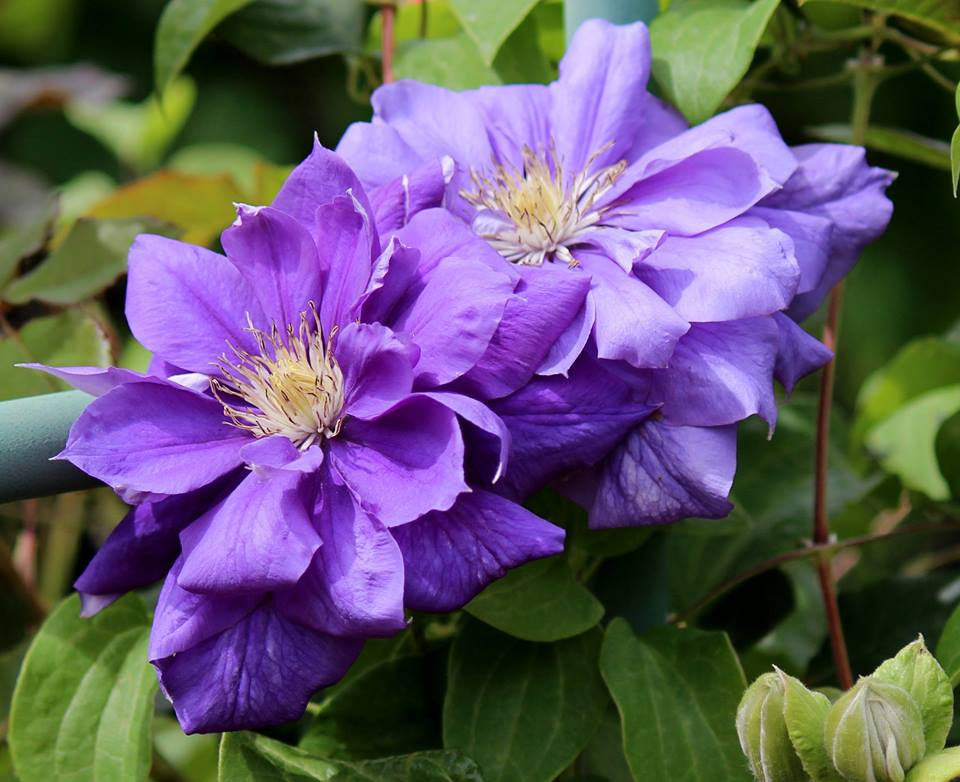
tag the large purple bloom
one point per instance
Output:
(300, 464)
(703, 247)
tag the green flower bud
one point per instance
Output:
(763, 733)
(874, 733)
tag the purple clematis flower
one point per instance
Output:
(703, 248)
(300, 464)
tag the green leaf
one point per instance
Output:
(490, 23)
(182, 26)
(540, 601)
(955, 160)
(677, 692)
(894, 141)
(280, 32)
(137, 133)
(922, 365)
(84, 700)
(71, 338)
(201, 205)
(603, 757)
(918, 672)
(523, 710)
(194, 756)
(905, 441)
(250, 757)
(948, 647)
(24, 239)
(90, 259)
(940, 15)
(805, 713)
(702, 48)
(947, 446)
(404, 719)
(10, 661)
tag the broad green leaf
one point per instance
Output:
(137, 133)
(10, 662)
(940, 15)
(194, 756)
(540, 601)
(404, 719)
(603, 757)
(200, 205)
(522, 710)
(947, 446)
(490, 23)
(279, 32)
(922, 365)
(90, 259)
(805, 713)
(436, 766)
(24, 239)
(905, 441)
(250, 757)
(452, 62)
(948, 647)
(71, 338)
(702, 48)
(677, 692)
(917, 671)
(182, 26)
(894, 141)
(84, 700)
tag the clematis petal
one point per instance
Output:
(438, 235)
(452, 318)
(721, 373)
(516, 116)
(450, 556)
(377, 154)
(144, 545)
(212, 302)
(278, 257)
(558, 424)
(663, 473)
(741, 270)
(377, 369)
(834, 182)
(259, 669)
(394, 271)
(597, 101)
(95, 381)
(154, 437)
(632, 323)
(319, 179)
(799, 355)
(397, 201)
(403, 464)
(545, 303)
(345, 232)
(567, 347)
(354, 586)
(259, 538)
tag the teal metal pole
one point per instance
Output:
(32, 430)
(575, 12)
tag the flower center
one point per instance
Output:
(535, 214)
(293, 387)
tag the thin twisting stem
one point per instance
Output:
(387, 40)
(864, 85)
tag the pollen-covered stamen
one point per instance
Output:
(293, 387)
(537, 212)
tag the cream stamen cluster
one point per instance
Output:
(542, 214)
(294, 387)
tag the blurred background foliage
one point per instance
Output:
(90, 156)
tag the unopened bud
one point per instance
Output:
(763, 732)
(874, 732)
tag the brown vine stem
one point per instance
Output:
(864, 85)
(388, 14)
